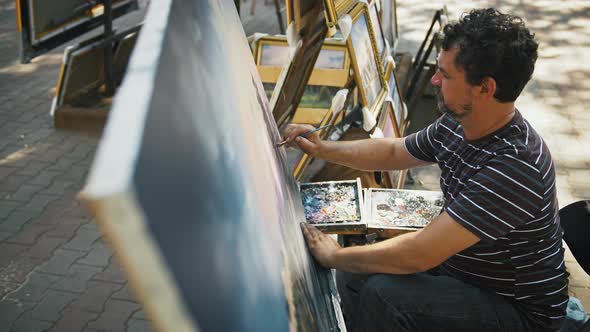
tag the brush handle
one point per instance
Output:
(305, 134)
(313, 131)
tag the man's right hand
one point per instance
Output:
(310, 144)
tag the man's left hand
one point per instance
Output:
(322, 246)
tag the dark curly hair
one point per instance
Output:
(496, 45)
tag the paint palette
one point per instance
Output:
(334, 206)
(402, 209)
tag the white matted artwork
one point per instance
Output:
(393, 208)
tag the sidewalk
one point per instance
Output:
(56, 271)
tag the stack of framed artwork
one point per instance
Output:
(366, 44)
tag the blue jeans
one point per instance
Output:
(423, 302)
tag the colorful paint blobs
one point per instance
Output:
(404, 208)
(328, 203)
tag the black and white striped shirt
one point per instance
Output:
(502, 188)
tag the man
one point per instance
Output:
(497, 245)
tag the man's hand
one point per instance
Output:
(310, 144)
(322, 246)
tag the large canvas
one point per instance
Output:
(191, 191)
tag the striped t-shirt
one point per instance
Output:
(502, 188)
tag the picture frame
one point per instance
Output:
(330, 74)
(82, 69)
(392, 211)
(400, 109)
(380, 40)
(45, 25)
(302, 12)
(335, 207)
(388, 125)
(293, 78)
(367, 66)
(389, 22)
(335, 9)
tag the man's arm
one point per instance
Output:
(408, 253)
(366, 154)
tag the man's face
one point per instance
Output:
(453, 94)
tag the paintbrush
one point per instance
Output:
(305, 134)
(337, 104)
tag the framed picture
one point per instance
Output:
(335, 9)
(389, 22)
(392, 211)
(295, 75)
(82, 71)
(388, 125)
(399, 106)
(330, 73)
(334, 206)
(377, 29)
(44, 25)
(365, 61)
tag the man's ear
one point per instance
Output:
(488, 87)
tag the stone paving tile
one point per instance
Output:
(100, 255)
(10, 311)
(38, 202)
(61, 261)
(115, 316)
(51, 305)
(30, 325)
(45, 246)
(138, 325)
(16, 219)
(83, 240)
(73, 320)
(113, 273)
(124, 294)
(34, 289)
(95, 296)
(18, 269)
(9, 252)
(26, 192)
(66, 227)
(29, 234)
(76, 278)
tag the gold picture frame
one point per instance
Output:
(335, 9)
(330, 74)
(380, 40)
(367, 66)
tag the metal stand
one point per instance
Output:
(108, 51)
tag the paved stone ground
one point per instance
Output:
(56, 271)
